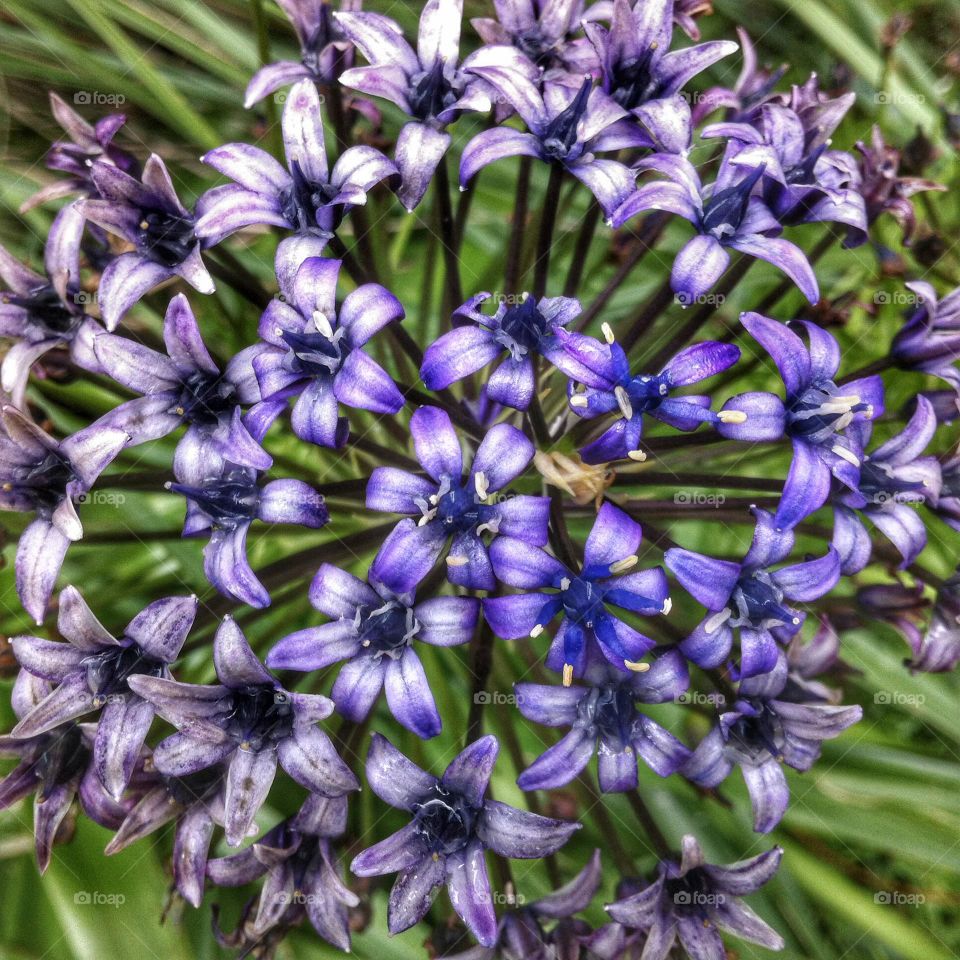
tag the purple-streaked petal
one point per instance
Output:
(503, 455)
(447, 621)
(806, 488)
(520, 564)
(40, 554)
(338, 593)
(364, 384)
(420, 149)
(468, 885)
(562, 762)
(521, 835)
(697, 267)
(357, 687)
(393, 778)
(709, 581)
(614, 536)
(292, 501)
(310, 758)
(249, 779)
(392, 490)
(469, 772)
(436, 443)
(236, 664)
(399, 851)
(409, 697)
(125, 282)
(162, 627)
(769, 794)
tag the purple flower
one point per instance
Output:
(447, 506)
(315, 351)
(884, 189)
(693, 900)
(524, 330)
(938, 649)
(728, 214)
(564, 126)
(543, 31)
(148, 214)
(892, 478)
(808, 660)
(223, 501)
(249, 722)
(43, 312)
(764, 729)
(57, 766)
(929, 341)
(636, 63)
(300, 873)
(451, 828)
(948, 502)
(521, 932)
(309, 199)
(747, 597)
(633, 396)
(195, 802)
(184, 386)
(373, 630)
(815, 415)
(603, 717)
(75, 156)
(90, 673)
(804, 181)
(323, 49)
(428, 85)
(47, 476)
(581, 598)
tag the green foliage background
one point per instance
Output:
(878, 817)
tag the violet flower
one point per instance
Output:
(763, 730)
(75, 156)
(691, 901)
(90, 674)
(603, 717)
(637, 65)
(937, 650)
(521, 932)
(929, 341)
(633, 396)
(223, 502)
(451, 828)
(57, 767)
(892, 479)
(542, 30)
(948, 503)
(374, 630)
(564, 126)
(747, 597)
(582, 598)
(448, 506)
(148, 214)
(314, 351)
(41, 312)
(309, 199)
(249, 722)
(428, 85)
(300, 871)
(726, 214)
(324, 50)
(814, 416)
(195, 802)
(523, 330)
(184, 386)
(48, 476)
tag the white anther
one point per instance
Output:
(636, 666)
(667, 606)
(732, 416)
(565, 583)
(637, 455)
(623, 402)
(715, 622)
(607, 331)
(322, 324)
(579, 401)
(845, 454)
(453, 561)
(481, 484)
(537, 630)
(625, 564)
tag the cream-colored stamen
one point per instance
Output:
(637, 666)
(637, 455)
(567, 674)
(607, 331)
(731, 416)
(623, 402)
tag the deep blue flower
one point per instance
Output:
(374, 631)
(447, 506)
(581, 598)
(451, 827)
(748, 597)
(814, 416)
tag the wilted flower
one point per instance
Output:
(90, 673)
(451, 828)
(249, 722)
(693, 900)
(582, 598)
(374, 630)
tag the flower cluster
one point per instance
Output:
(518, 409)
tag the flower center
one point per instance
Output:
(822, 411)
(206, 399)
(306, 203)
(582, 602)
(228, 501)
(64, 754)
(757, 736)
(431, 93)
(633, 83)
(388, 630)
(165, 238)
(46, 311)
(107, 672)
(315, 354)
(46, 482)
(260, 715)
(724, 212)
(760, 602)
(444, 821)
(560, 137)
(522, 328)
(612, 711)
(688, 894)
